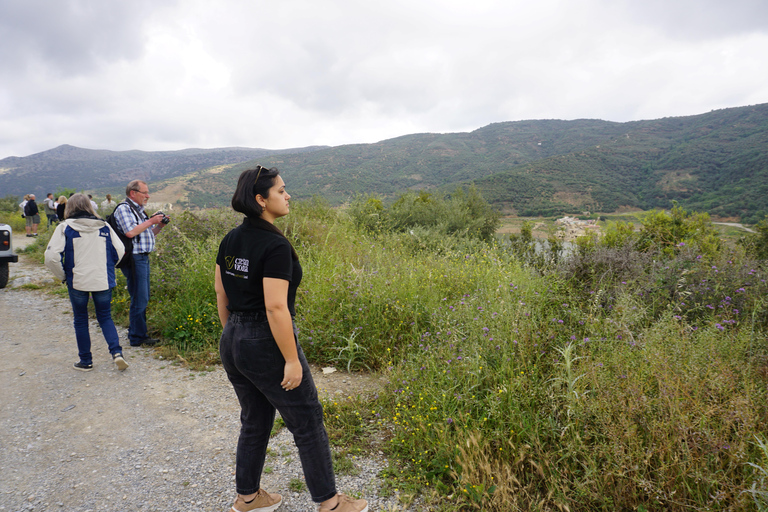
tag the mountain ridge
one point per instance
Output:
(716, 162)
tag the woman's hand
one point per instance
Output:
(292, 375)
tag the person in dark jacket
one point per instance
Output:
(32, 215)
(61, 203)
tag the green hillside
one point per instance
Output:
(714, 162)
(419, 161)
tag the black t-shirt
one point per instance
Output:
(247, 255)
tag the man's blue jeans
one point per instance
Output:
(103, 305)
(138, 287)
(255, 366)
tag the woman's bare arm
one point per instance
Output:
(279, 317)
(222, 301)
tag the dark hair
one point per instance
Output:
(254, 182)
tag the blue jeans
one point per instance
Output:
(138, 287)
(255, 365)
(103, 305)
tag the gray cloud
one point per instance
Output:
(69, 37)
(700, 19)
(168, 74)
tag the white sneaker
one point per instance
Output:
(119, 361)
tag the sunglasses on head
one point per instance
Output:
(260, 168)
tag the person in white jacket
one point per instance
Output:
(83, 251)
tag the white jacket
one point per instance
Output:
(84, 251)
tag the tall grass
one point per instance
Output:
(183, 303)
(615, 386)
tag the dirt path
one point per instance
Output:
(155, 437)
(736, 225)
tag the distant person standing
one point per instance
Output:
(83, 251)
(22, 204)
(49, 206)
(108, 203)
(93, 203)
(61, 204)
(133, 221)
(32, 215)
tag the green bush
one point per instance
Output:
(10, 203)
(756, 244)
(14, 219)
(668, 232)
(463, 213)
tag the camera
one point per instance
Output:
(166, 219)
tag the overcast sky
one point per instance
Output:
(175, 74)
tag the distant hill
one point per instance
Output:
(418, 161)
(715, 162)
(87, 169)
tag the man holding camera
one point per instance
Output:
(133, 221)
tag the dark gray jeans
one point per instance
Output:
(255, 366)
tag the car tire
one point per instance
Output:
(3, 273)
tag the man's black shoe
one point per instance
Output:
(146, 342)
(82, 366)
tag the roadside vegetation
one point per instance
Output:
(629, 374)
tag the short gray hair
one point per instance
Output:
(134, 185)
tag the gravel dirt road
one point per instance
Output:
(154, 437)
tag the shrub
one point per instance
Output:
(10, 203)
(668, 232)
(756, 244)
(463, 213)
(368, 213)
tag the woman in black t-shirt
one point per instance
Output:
(257, 274)
(61, 204)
